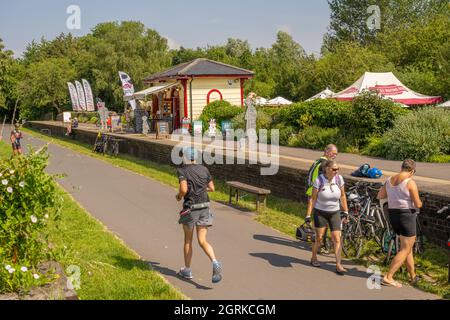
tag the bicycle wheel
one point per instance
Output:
(352, 238)
(388, 245)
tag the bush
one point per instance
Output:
(285, 133)
(315, 138)
(420, 135)
(219, 110)
(325, 113)
(372, 115)
(263, 121)
(375, 147)
(27, 202)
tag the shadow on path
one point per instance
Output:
(283, 241)
(130, 264)
(281, 261)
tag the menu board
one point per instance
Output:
(162, 130)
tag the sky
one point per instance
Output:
(187, 23)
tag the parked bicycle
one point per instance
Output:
(366, 219)
(106, 144)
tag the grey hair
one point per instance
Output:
(330, 147)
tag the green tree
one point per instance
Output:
(6, 62)
(44, 86)
(346, 64)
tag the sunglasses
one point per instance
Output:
(335, 169)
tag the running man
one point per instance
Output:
(195, 183)
(16, 135)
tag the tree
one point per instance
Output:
(348, 21)
(44, 86)
(346, 64)
(6, 63)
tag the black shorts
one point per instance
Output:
(322, 219)
(403, 221)
(16, 146)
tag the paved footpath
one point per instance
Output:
(258, 262)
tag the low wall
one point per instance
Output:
(289, 183)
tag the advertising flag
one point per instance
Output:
(73, 96)
(89, 97)
(128, 88)
(81, 97)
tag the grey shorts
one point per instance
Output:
(201, 218)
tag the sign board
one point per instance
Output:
(115, 122)
(198, 128)
(162, 130)
(67, 117)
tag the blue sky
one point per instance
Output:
(187, 23)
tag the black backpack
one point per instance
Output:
(362, 172)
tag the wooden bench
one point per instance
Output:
(261, 194)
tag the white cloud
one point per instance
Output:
(173, 45)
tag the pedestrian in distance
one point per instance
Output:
(16, 136)
(403, 199)
(195, 183)
(327, 198)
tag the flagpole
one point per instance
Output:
(3, 127)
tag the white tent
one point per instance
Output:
(325, 94)
(261, 101)
(387, 85)
(279, 101)
(445, 104)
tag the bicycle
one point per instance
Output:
(366, 222)
(106, 144)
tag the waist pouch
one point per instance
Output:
(194, 207)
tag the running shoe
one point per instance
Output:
(217, 272)
(185, 273)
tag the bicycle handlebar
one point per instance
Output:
(442, 210)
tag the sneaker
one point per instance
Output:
(217, 272)
(185, 273)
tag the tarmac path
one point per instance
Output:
(258, 262)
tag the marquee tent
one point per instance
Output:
(387, 85)
(445, 105)
(278, 101)
(325, 94)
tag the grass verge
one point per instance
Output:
(281, 214)
(109, 269)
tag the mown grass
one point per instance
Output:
(281, 214)
(109, 269)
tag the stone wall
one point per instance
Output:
(289, 183)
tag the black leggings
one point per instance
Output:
(403, 221)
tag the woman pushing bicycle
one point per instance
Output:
(403, 198)
(327, 197)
